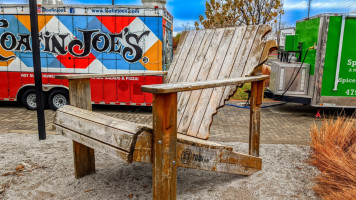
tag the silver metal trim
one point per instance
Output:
(336, 83)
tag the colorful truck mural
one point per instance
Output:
(81, 40)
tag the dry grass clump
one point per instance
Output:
(334, 154)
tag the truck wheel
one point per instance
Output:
(58, 98)
(29, 99)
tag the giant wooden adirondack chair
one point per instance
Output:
(206, 71)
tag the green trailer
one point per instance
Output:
(330, 62)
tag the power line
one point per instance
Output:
(349, 5)
(304, 5)
(335, 5)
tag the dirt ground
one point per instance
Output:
(48, 174)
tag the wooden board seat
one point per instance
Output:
(130, 142)
(110, 135)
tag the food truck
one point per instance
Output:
(84, 40)
(324, 74)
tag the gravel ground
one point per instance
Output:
(48, 174)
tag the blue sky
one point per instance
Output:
(185, 12)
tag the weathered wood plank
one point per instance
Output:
(213, 74)
(217, 160)
(173, 74)
(191, 57)
(193, 74)
(203, 73)
(107, 134)
(257, 91)
(94, 144)
(143, 148)
(180, 87)
(216, 95)
(144, 144)
(242, 58)
(196, 45)
(320, 60)
(176, 56)
(256, 51)
(119, 124)
(164, 146)
(270, 46)
(194, 153)
(80, 94)
(86, 76)
(201, 143)
(84, 159)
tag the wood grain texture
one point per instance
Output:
(164, 180)
(240, 61)
(119, 124)
(80, 94)
(204, 69)
(178, 66)
(270, 46)
(84, 159)
(86, 76)
(183, 98)
(257, 92)
(216, 93)
(201, 154)
(320, 60)
(215, 69)
(172, 66)
(222, 53)
(112, 135)
(180, 87)
(191, 57)
(95, 144)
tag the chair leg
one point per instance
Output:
(84, 160)
(164, 146)
(257, 91)
(80, 96)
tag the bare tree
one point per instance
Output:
(225, 13)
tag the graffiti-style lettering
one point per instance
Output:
(132, 52)
(4, 23)
(24, 41)
(98, 38)
(47, 38)
(127, 44)
(3, 39)
(83, 45)
(115, 43)
(59, 48)
(8, 38)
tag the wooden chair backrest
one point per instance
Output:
(213, 54)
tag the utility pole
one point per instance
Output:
(113, 2)
(309, 8)
(37, 69)
(280, 19)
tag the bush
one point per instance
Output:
(334, 154)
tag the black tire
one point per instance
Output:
(58, 98)
(29, 99)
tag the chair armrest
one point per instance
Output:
(188, 86)
(85, 76)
